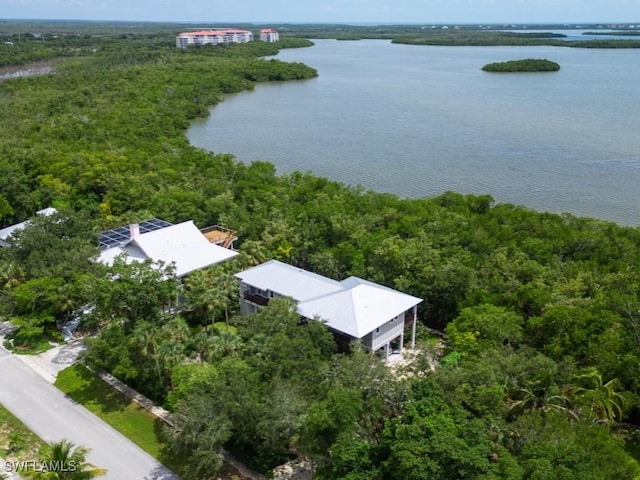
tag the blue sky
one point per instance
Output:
(348, 11)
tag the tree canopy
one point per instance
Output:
(526, 65)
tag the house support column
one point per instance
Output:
(413, 327)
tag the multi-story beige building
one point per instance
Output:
(269, 35)
(213, 37)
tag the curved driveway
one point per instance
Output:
(53, 416)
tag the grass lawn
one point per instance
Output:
(34, 349)
(36, 346)
(123, 414)
(17, 442)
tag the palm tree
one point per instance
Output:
(535, 395)
(203, 293)
(147, 337)
(227, 343)
(601, 400)
(66, 462)
(228, 286)
(205, 346)
(223, 344)
(9, 276)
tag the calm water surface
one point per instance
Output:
(417, 121)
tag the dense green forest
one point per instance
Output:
(485, 38)
(627, 33)
(526, 65)
(459, 35)
(539, 375)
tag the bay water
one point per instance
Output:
(421, 120)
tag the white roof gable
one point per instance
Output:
(47, 211)
(352, 282)
(289, 281)
(131, 254)
(6, 232)
(359, 309)
(182, 244)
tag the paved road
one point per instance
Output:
(53, 416)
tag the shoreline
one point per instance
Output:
(43, 67)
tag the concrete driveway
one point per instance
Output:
(53, 416)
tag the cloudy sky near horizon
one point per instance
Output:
(319, 11)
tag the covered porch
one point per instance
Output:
(389, 338)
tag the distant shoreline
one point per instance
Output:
(35, 68)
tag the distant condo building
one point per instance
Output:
(269, 35)
(213, 37)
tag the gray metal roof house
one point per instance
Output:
(354, 308)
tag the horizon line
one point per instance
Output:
(298, 23)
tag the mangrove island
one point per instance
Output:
(526, 65)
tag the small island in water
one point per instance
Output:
(526, 65)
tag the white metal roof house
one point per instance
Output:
(182, 245)
(354, 309)
(7, 232)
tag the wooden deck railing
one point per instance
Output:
(218, 228)
(220, 235)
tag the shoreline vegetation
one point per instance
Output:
(540, 310)
(519, 66)
(31, 41)
(626, 33)
(489, 39)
